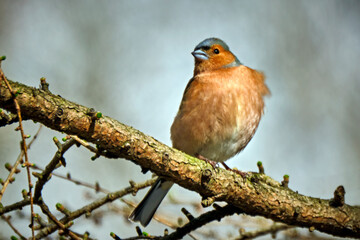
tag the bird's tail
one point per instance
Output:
(144, 212)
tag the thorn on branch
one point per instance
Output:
(285, 182)
(261, 167)
(339, 197)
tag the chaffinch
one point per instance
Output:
(218, 115)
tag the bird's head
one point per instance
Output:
(212, 54)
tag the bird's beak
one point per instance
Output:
(199, 54)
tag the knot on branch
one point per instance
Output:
(58, 115)
(206, 176)
(93, 114)
(339, 197)
(44, 85)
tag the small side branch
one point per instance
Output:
(23, 145)
(217, 214)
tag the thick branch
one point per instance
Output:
(256, 195)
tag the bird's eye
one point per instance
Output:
(216, 51)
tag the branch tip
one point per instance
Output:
(188, 215)
(114, 236)
(261, 167)
(61, 208)
(57, 143)
(285, 182)
(44, 85)
(25, 194)
(138, 231)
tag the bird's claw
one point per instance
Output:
(241, 173)
(212, 163)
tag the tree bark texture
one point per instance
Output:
(256, 194)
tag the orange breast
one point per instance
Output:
(219, 113)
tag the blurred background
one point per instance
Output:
(131, 60)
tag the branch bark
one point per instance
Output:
(257, 194)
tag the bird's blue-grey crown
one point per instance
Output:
(207, 43)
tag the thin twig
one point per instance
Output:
(7, 220)
(85, 144)
(203, 219)
(264, 231)
(45, 175)
(13, 169)
(94, 205)
(24, 148)
(15, 206)
(46, 211)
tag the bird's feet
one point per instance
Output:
(212, 163)
(242, 174)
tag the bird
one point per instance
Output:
(218, 115)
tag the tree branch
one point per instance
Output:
(258, 194)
